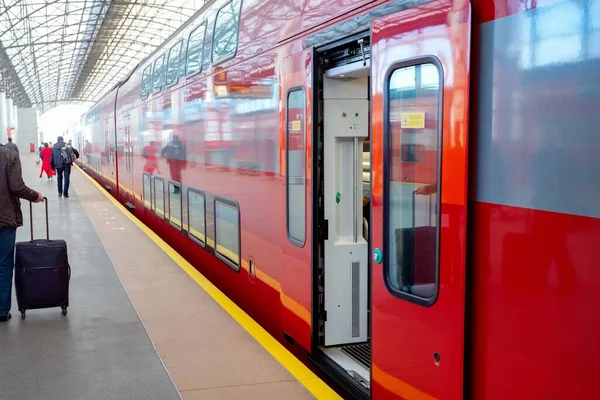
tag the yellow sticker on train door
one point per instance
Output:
(412, 120)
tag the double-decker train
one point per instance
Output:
(406, 192)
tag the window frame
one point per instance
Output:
(227, 261)
(218, 60)
(172, 183)
(187, 50)
(144, 190)
(143, 90)
(154, 209)
(176, 81)
(387, 141)
(189, 231)
(162, 75)
(291, 239)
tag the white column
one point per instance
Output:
(3, 120)
(16, 125)
(9, 112)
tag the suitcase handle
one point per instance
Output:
(31, 218)
(414, 205)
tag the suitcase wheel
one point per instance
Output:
(64, 310)
(22, 314)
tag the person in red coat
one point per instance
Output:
(45, 155)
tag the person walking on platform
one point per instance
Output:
(11, 145)
(149, 153)
(12, 188)
(62, 159)
(176, 158)
(46, 155)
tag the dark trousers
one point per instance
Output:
(7, 264)
(66, 170)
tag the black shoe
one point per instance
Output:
(66, 195)
(5, 318)
(60, 195)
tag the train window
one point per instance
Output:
(175, 205)
(173, 64)
(225, 37)
(146, 79)
(296, 167)
(196, 215)
(227, 231)
(159, 196)
(147, 190)
(195, 50)
(414, 96)
(157, 74)
(412, 153)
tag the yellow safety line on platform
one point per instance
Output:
(300, 371)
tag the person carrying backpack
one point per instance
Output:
(62, 159)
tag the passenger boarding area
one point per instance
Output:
(142, 323)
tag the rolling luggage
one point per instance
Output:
(42, 272)
(416, 252)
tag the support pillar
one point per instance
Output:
(3, 118)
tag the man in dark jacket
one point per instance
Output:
(12, 188)
(11, 145)
(62, 166)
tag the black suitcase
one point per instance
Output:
(416, 252)
(42, 272)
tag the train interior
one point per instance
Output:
(343, 199)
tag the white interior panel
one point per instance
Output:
(346, 250)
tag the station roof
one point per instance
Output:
(54, 52)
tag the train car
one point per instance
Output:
(403, 192)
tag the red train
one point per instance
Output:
(405, 191)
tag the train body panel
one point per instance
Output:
(226, 157)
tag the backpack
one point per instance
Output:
(68, 155)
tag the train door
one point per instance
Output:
(341, 91)
(420, 80)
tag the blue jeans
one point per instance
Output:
(8, 236)
(67, 172)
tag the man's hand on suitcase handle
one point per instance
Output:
(39, 199)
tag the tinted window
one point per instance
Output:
(157, 74)
(159, 197)
(296, 167)
(227, 232)
(175, 214)
(196, 213)
(412, 190)
(147, 191)
(195, 51)
(146, 81)
(225, 38)
(173, 64)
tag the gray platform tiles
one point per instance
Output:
(100, 350)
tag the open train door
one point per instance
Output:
(420, 89)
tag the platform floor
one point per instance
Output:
(139, 326)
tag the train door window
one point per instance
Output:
(157, 74)
(159, 196)
(147, 190)
(225, 37)
(195, 50)
(173, 64)
(175, 205)
(227, 232)
(414, 96)
(146, 79)
(196, 215)
(296, 167)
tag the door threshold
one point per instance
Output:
(344, 370)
